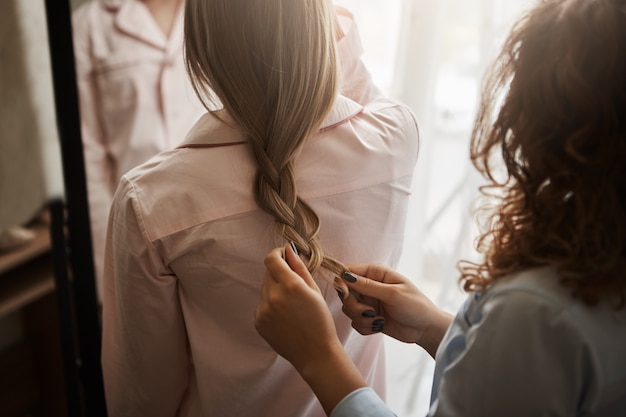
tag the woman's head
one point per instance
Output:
(554, 111)
(273, 65)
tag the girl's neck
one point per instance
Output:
(164, 13)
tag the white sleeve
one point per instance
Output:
(362, 403)
(98, 165)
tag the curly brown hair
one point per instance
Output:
(554, 108)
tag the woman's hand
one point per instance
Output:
(294, 319)
(384, 300)
(293, 316)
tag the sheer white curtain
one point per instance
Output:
(431, 54)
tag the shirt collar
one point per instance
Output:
(113, 4)
(133, 18)
(218, 129)
(343, 110)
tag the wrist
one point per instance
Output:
(332, 375)
(432, 335)
(321, 360)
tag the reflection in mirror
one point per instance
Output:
(135, 97)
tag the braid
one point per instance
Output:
(277, 76)
(296, 221)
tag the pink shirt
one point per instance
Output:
(185, 251)
(135, 97)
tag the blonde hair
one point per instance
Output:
(273, 65)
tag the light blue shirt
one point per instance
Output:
(363, 402)
(524, 347)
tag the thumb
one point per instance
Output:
(367, 287)
(295, 263)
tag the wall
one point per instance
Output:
(29, 154)
(30, 164)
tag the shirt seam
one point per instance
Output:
(250, 209)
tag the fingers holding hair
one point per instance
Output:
(364, 311)
(281, 264)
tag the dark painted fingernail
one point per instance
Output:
(293, 247)
(349, 276)
(340, 293)
(368, 313)
(378, 325)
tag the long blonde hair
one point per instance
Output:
(273, 65)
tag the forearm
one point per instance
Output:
(357, 83)
(332, 377)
